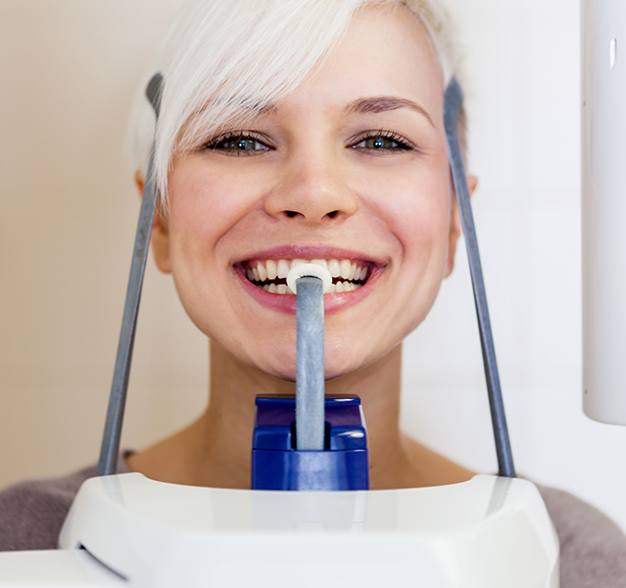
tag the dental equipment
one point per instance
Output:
(329, 451)
(603, 207)
(309, 282)
(489, 532)
(107, 464)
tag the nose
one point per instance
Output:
(312, 192)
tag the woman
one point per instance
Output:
(305, 130)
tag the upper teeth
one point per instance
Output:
(270, 269)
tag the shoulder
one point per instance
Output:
(593, 547)
(32, 512)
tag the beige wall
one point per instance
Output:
(68, 71)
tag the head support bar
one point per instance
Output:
(453, 104)
(109, 450)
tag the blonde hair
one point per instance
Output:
(224, 60)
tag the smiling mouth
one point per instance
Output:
(271, 274)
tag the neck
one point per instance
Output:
(215, 450)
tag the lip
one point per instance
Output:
(334, 302)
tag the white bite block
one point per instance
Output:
(311, 270)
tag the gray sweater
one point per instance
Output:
(593, 548)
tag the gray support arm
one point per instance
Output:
(453, 104)
(109, 450)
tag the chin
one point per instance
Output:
(283, 366)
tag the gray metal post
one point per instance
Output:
(310, 364)
(109, 449)
(453, 103)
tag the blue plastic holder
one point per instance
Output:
(278, 465)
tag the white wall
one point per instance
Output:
(524, 100)
(68, 212)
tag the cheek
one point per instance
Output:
(416, 208)
(199, 206)
(424, 229)
(204, 204)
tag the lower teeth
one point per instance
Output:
(335, 288)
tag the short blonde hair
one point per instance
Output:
(225, 59)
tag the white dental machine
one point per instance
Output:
(309, 518)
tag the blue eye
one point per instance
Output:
(383, 141)
(238, 144)
(245, 143)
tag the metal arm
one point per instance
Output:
(310, 364)
(453, 104)
(109, 450)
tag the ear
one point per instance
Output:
(455, 225)
(160, 239)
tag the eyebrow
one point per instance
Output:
(373, 104)
(377, 104)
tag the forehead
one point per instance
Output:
(384, 52)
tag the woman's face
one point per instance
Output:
(351, 170)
